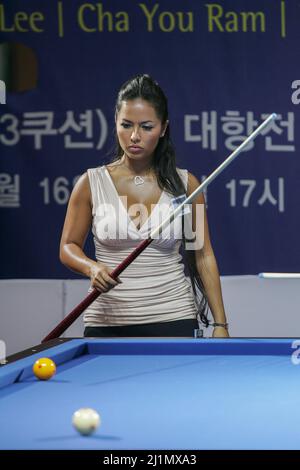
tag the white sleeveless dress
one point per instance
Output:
(155, 288)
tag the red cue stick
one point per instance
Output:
(77, 311)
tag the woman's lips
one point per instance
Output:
(135, 149)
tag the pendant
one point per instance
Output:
(138, 180)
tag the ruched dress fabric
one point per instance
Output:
(154, 286)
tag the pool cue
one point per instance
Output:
(76, 312)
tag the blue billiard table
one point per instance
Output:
(155, 393)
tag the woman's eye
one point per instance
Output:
(126, 125)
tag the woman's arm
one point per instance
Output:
(76, 228)
(206, 262)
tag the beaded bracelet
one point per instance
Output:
(223, 325)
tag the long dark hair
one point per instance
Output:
(164, 166)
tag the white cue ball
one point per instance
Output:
(86, 421)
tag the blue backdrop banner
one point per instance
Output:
(224, 65)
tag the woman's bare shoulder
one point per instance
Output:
(82, 187)
(193, 184)
(192, 179)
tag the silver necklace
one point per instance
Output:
(138, 180)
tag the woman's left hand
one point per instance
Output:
(220, 332)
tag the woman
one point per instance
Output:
(123, 201)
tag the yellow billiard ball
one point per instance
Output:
(44, 368)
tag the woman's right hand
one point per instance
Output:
(101, 278)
